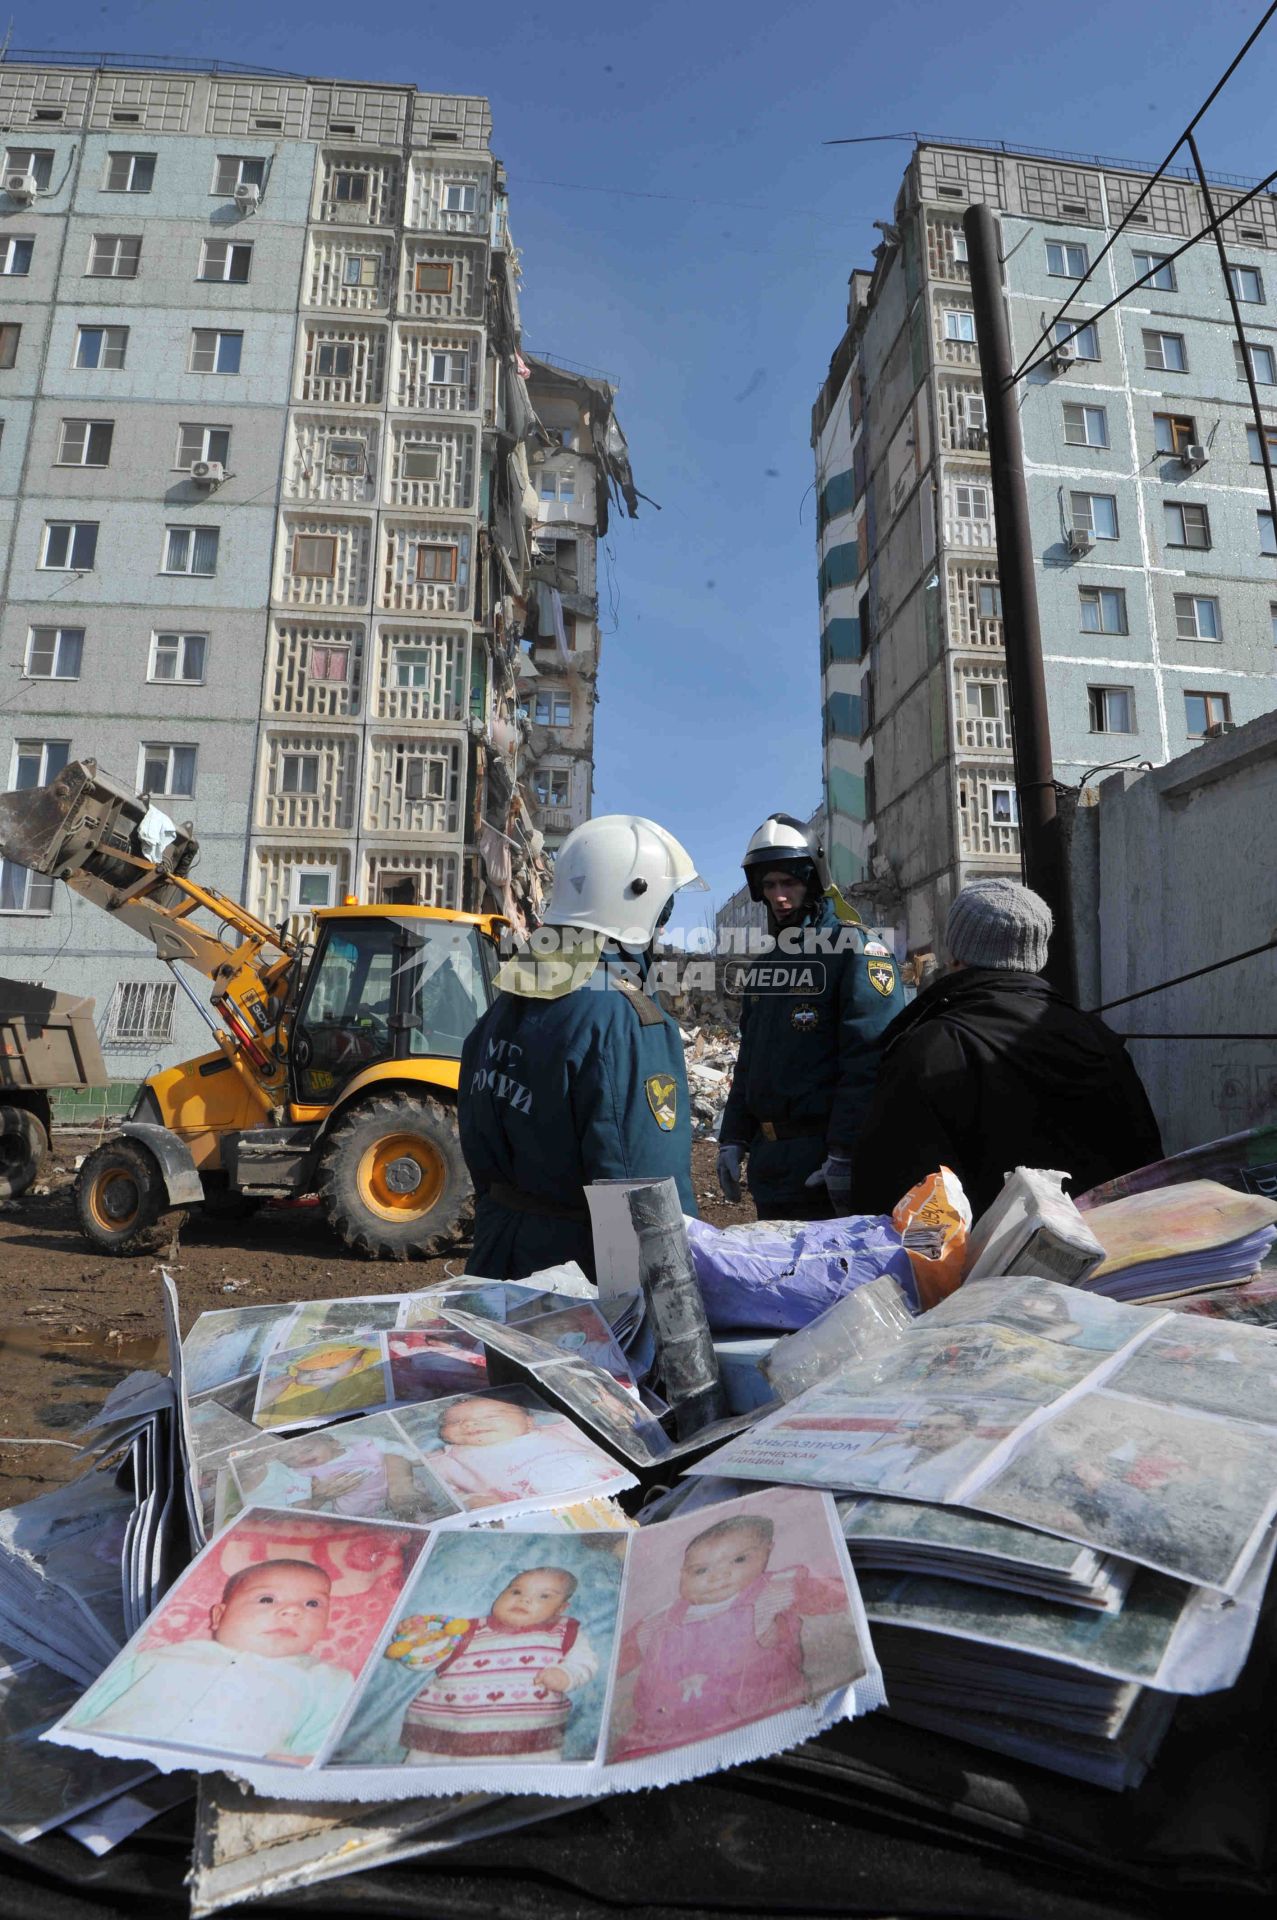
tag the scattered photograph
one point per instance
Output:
(368, 1468)
(507, 1445)
(307, 1386)
(579, 1329)
(342, 1319)
(1208, 1365)
(1066, 1315)
(985, 1358)
(230, 1344)
(430, 1366)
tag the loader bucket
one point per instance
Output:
(80, 823)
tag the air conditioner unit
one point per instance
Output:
(1219, 728)
(1060, 359)
(207, 473)
(1193, 456)
(248, 196)
(1080, 540)
(21, 186)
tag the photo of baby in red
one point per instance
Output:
(730, 1620)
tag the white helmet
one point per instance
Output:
(781, 841)
(616, 875)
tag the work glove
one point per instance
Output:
(835, 1174)
(730, 1161)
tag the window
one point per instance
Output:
(315, 555)
(1248, 284)
(167, 770)
(980, 698)
(449, 369)
(1085, 343)
(1112, 709)
(1263, 363)
(972, 502)
(418, 462)
(361, 270)
(553, 710)
(114, 256)
(1065, 259)
(1203, 710)
(328, 663)
(37, 161)
(412, 668)
(178, 657)
(1085, 426)
(347, 456)
(989, 602)
(334, 360)
(142, 1013)
(54, 653)
(973, 410)
(459, 197)
(560, 485)
(1255, 447)
(1172, 432)
(15, 254)
(423, 777)
(1267, 537)
(225, 260)
(1097, 512)
(1196, 617)
(1156, 270)
(195, 442)
(299, 773)
(435, 563)
(313, 887)
(268, 123)
(85, 443)
(191, 550)
(1186, 525)
(960, 249)
(350, 186)
(1004, 807)
(35, 763)
(1165, 352)
(1103, 609)
(130, 172)
(70, 544)
(10, 334)
(215, 352)
(959, 324)
(100, 346)
(433, 276)
(237, 170)
(552, 786)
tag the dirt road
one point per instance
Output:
(73, 1323)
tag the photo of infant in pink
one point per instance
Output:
(731, 1622)
(503, 1689)
(504, 1447)
(255, 1651)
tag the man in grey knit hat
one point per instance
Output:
(991, 1069)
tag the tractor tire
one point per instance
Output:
(392, 1180)
(23, 1146)
(121, 1201)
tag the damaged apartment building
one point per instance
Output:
(280, 545)
(1150, 525)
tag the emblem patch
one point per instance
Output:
(662, 1098)
(804, 1018)
(882, 976)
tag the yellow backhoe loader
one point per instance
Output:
(334, 1069)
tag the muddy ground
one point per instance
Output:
(73, 1323)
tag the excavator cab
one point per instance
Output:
(333, 1074)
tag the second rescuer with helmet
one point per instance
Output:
(813, 1013)
(574, 1074)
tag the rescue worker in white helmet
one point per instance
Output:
(574, 1074)
(814, 1010)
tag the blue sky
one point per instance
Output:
(685, 231)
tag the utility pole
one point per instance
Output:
(1042, 850)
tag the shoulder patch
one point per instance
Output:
(647, 1010)
(882, 977)
(662, 1097)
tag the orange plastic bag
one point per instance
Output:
(933, 1220)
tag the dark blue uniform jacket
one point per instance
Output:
(555, 1094)
(811, 1026)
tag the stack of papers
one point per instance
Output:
(904, 1536)
(1175, 1239)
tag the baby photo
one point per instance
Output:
(501, 1653)
(730, 1617)
(579, 1329)
(431, 1366)
(306, 1386)
(226, 1346)
(256, 1649)
(506, 1445)
(365, 1467)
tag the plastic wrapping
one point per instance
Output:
(933, 1220)
(777, 1275)
(1033, 1227)
(865, 1322)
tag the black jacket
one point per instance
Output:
(990, 1070)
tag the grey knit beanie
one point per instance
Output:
(999, 923)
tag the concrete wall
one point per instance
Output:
(1172, 869)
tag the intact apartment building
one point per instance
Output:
(1156, 556)
(268, 516)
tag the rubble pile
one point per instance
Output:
(709, 1053)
